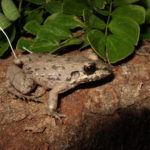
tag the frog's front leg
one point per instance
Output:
(17, 78)
(53, 101)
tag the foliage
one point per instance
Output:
(11, 14)
(145, 33)
(110, 27)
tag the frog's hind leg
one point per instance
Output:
(19, 80)
(13, 91)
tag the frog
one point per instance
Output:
(32, 75)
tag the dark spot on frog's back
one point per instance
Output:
(52, 78)
(37, 69)
(30, 59)
(28, 68)
(29, 71)
(42, 76)
(57, 67)
(40, 56)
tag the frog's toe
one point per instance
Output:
(57, 115)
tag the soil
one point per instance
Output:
(113, 113)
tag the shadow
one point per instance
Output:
(130, 132)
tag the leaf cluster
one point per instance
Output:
(145, 28)
(110, 27)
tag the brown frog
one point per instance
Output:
(32, 74)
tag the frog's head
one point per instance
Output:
(91, 70)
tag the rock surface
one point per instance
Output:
(109, 114)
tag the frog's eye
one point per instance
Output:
(89, 68)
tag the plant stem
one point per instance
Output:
(108, 19)
(8, 42)
(106, 29)
(20, 5)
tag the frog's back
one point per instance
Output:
(49, 70)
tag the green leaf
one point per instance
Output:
(54, 6)
(4, 22)
(100, 4)
(46, 34)
(10, 10)
(64, 20)
(4, 45)
(24, 42)
(56, 28)
(84, 44)
(97, 41)
(74, 7)
(92, 20)
(43, 45)
(118, 48)
(32, 27)
(44, 42)
(34, 15)
(148, 3)
(59, 25)
(134, 12)
(125, 28)
(57, 31)
(85, 41)
(123, 2)
(73, 41)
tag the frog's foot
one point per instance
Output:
(52, 102)
(39, 91)
(56, 115)
(53, 113)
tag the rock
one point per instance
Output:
(109, 114)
